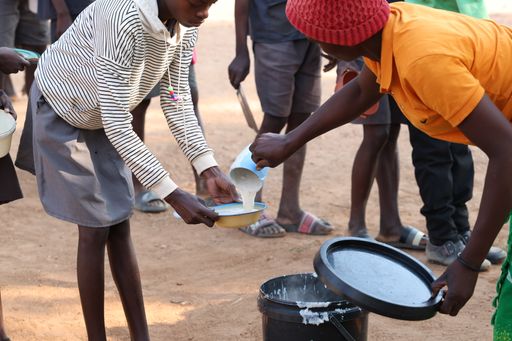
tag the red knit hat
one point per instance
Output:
(340, 22)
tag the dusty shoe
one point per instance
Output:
(495, 255)
(447, 253)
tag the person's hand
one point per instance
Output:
(190, 209)
(219, 186)
(6, 104)
(11, 62)
(331, 62)
(239, 69)
(461, 284)
(63, 22)
(269, 150)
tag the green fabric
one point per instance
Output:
(474, 8)
(502, 319)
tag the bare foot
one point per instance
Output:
(360, 232)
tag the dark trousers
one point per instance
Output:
(9, 186)
(444, 173)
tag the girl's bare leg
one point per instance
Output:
(91, 278)
(125, 271)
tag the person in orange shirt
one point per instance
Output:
(450, 74)
(444, 173)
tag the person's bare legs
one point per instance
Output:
(289, 207)
(7, 86)
(138, 123)
(388, 179)
(91, 278)
(125, 271)
(270, 124)
(29, 71)
(3, 335)
(364, 170)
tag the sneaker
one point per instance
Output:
(447, 253)
(495, 255)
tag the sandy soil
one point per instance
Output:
(200, 283)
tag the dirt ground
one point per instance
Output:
(200, 283)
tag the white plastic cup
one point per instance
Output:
(244, 168)
(7, 128)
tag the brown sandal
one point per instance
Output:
(264, 228)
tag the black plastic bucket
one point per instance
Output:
(299, 308)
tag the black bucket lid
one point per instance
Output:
(377, 277)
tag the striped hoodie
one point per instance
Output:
(111, 57)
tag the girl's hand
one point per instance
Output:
(219, 186)
(190, 209)
(461, 284)
(269, 150)
(6, 104)
(11, 62)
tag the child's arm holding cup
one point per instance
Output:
(269, 150)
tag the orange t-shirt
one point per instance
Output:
(437, 65)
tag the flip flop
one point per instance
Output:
(265, 227)
(310, 224)
(410, 238)
(149, 202)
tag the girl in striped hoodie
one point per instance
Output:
(87, 83)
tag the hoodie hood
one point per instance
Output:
(148, 13)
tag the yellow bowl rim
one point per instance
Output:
(259, 206)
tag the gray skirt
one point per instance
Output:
(80, 176)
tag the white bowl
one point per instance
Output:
(7, 127)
